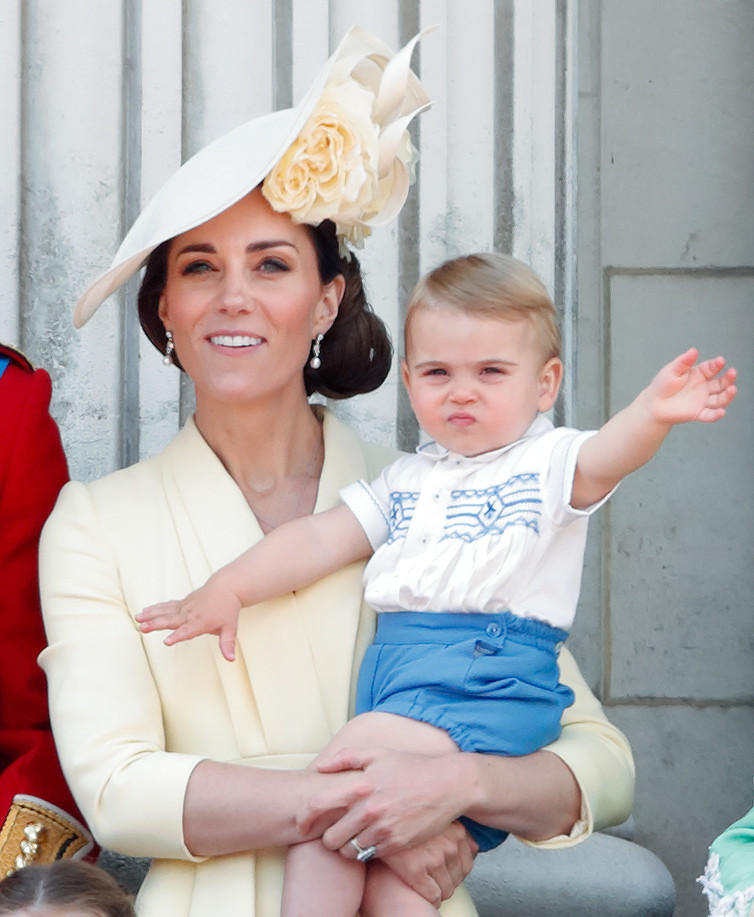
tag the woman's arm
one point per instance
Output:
(230, 809)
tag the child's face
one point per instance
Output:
(475, 382)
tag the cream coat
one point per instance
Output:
(132, 718)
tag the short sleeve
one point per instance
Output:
(559, 484)
(370, 512)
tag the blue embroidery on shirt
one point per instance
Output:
(472, 514)
(402, 506)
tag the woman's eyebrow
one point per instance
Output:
(207, 248)
(268, 243)
(203, 247)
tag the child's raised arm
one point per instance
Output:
(294, 555)
(683, 390)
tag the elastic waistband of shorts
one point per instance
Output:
(451, 626)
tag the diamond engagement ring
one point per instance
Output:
(363, 853)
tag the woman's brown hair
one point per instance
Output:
(356, 351)
(69, 884)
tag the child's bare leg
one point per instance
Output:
(321, 883)
(388, 730)
(385, 895)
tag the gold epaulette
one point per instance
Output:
(35, 831)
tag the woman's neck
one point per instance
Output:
(273, 452)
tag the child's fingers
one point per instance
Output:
(716, 410)
(710, 368)
(153, 611)
(164, 616)
(728, 379)
(682, 363)
(228, 643)
(184, 631)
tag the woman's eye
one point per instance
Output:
(197, 267)
(272, 266)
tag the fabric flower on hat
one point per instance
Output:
(353, 160)
(330, 172)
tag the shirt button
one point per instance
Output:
(424, 540)
(437, 497)
(493, 630)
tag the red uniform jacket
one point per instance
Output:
(32, 470)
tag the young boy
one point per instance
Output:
(478, 544)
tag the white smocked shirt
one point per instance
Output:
(487, 533)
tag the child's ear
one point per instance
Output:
(405, 375)
(549, 383)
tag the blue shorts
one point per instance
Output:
(491, 681)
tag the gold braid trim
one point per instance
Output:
(38, 832)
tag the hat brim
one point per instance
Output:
(219, 175)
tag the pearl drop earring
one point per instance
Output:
(315, 361)
(169, 348)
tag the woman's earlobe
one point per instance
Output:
(330, 303)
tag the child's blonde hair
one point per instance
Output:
(494, 285)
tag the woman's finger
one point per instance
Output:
(348, 759)
(358, 823)
(435, 868)
(331, 802)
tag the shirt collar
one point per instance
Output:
(541, 424)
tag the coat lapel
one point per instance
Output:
(291, 677)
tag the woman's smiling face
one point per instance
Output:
(243, 298)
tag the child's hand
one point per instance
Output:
(685, 390)
(208, 610)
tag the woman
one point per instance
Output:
(177, 754)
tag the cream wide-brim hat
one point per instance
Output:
(226, 170)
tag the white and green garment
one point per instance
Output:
(728, 880)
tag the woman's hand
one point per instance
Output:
(437, 867)
(401, 799)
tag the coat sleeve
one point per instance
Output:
(32, 471)
(599, 756)
(105, 707)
